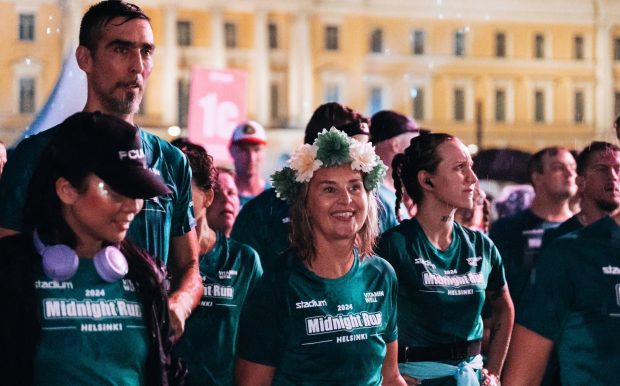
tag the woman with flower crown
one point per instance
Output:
(327, 316)
(445, 271)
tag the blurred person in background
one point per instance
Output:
(598, 185)
(247, 148)
(518, 237)
(229, 271)
(225, 207)
(3, 156)
(391, 133)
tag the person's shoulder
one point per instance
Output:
(244, 251)
(379, 264)
(167, 150)
(402, 230)
(606, 227)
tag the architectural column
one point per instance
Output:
(260, 68)
(300, 93)
(604, 80)
(218, 51)
(169, 62)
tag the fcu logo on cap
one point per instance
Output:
(131, 154)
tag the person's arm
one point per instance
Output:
(253, 374)
(391, 375)
(527, 358)
(503, 319)
(186, 285)
(4, 232)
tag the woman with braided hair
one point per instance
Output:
(445, 271)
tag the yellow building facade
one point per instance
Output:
(524, 74)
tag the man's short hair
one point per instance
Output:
(100, 14)
(535, 163)
(584, 157)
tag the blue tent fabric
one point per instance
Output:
(67, 97)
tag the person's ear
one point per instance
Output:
(66, 192)
(425, 180)
(209, 196)
(84, 59)
(581, 183)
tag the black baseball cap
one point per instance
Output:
(387, 124)
(111, 148)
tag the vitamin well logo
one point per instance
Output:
(349, 322)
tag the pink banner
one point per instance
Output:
(217, 103)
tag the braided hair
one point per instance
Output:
(421, 155)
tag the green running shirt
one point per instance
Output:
(318, 331)
(441, 293)
(229, 271)
(92, 332)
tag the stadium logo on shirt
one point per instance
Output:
(311, 304)
(611, 270)
(426, 263)
(473, 261)
(53, 284)
(326, 324)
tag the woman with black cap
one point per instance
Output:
(83, 305)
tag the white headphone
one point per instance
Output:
(60, 262)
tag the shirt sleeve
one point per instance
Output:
(261, 336)
(497, 275)
(545, 301)
(248, 227)
(183, 213)
(16, 180)
(391, 331)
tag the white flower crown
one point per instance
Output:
(330, 148)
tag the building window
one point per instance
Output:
(273, 36)
(579, 50)
(230, 34)
(376, 100)
(580, 107)
(500, 45)
(418, 42)
(331, 37)
(26, 26)
(184, 33)
(459, 43)
(275, 100)
(500, 105)
(183, 102)
(617, 48)
(539, 106)
(459, 104)
(539, 46)
(332, 93)
(417, 100)
(26, 95)
(376, 41)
